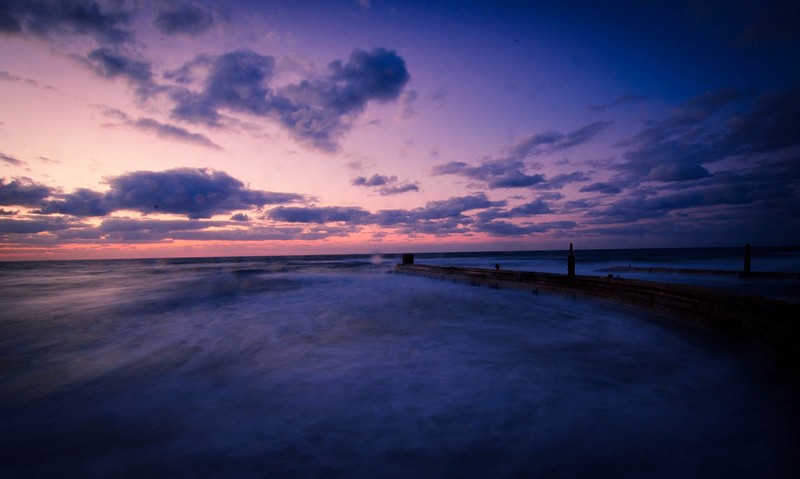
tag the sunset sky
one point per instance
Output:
(155, 129)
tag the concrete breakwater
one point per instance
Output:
(713, 272)
(771, 325)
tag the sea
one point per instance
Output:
(336, 366)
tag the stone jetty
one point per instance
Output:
(771, 325)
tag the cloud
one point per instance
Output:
(385, 185)
(183, 19)
(509, 171)
(330, 214)
(196, 193)
(439, 218)
(162, 130)
(554, 141)
(771, 124)
(623, 100)
(316, 111)
(604, 188)
(776, 22)
(506, 228)
(4, 212)
(766, 188)
(44, 18)
(407, 104)
(11, 160)
(152, 227)
(536, 207)
(81, 202)
(703, 106)
(495, 173)
(35, 225)
(6, 76)
(708, 128)
(113, 64)
(559, 181)
(22, 192)
(172, 132)
(240, 217)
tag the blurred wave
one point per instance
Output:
(297, 367)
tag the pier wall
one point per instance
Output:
(773, 326)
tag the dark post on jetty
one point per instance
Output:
(747, 254)
(408, 259)
(570, 262)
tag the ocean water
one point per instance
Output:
(337, 367)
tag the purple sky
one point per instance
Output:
(235, 128)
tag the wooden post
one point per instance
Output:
(747, 254)
(408, 259)
(571, 262)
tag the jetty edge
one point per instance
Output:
(772, 326)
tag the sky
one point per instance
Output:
(199, 128)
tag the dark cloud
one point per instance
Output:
(776, 21)
(495, 173)
(456, 206)
(110, 63)
(772, 124)
(702, 107)
(506, 228)
(553, 141)
(330, 214)
(374, 180)
(765, 188)
(22, 192)
(154, 227)
(440, 218)
(559, 181)
(11, 160)
(385, 185)
(172, 132)
(185, 74)
(66, 17)
(240, 217)
(536, 207)
(397, 189)
(315, 110)
(509, 171)
(196, 193)
(81, 202)
(162, 130)
(35, 225)
(708, 128)
(183, 19)
(623, 100)
(604, 188)
(4, 212)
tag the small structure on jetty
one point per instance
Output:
(773, 326)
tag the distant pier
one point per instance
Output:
(773, 326)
